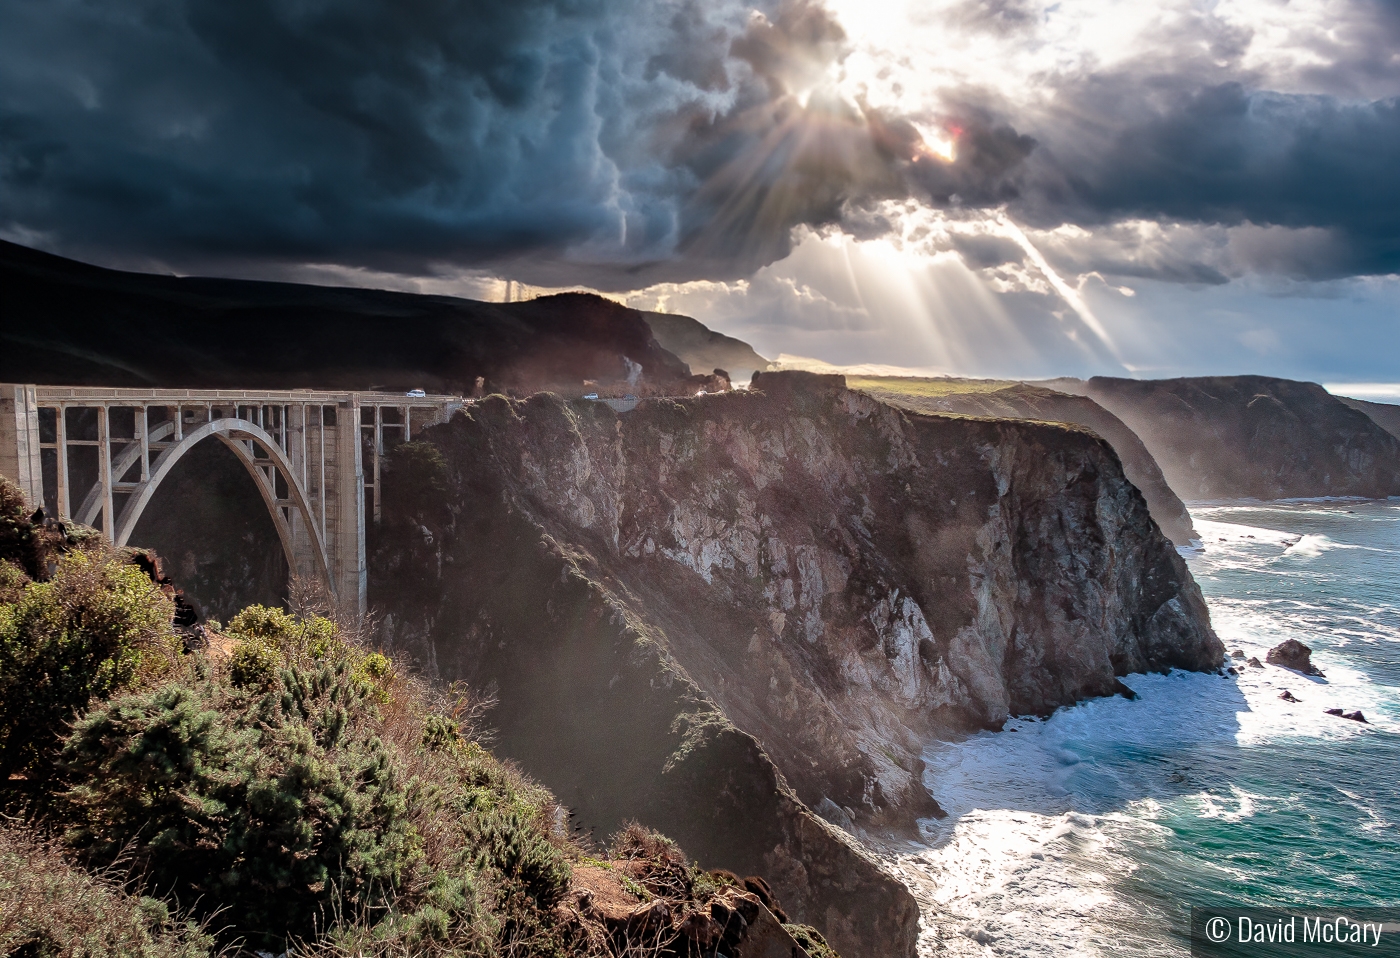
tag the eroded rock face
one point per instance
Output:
(1024, 401)
(1253, 436)
(832, 576)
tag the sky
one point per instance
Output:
(1004, 188)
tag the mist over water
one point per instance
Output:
(1092, 833)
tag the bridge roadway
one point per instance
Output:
(315, 457)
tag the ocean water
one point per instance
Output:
(1093, 832)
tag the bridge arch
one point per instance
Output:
(314, 456)
(243, 437)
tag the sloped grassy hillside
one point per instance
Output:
(274, 785)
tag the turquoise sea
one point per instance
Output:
(1092, 833)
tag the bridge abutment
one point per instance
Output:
(19, 440)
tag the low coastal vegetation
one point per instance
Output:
(930, 387)
(275, 786)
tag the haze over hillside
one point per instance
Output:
(71, 323)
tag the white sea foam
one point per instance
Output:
(1048, 820)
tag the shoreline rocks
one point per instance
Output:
(1355, 716)
(1294, 655)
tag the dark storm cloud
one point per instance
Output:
(1125, 147)
(303, 129)
(1355, 54)
(622, 142)
(395, 133)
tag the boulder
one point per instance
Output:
(1254, 663)
(1287, 696)
(700, 928)
(834, 814)
(1237, 654)
(1294, 655)
(1355, 717)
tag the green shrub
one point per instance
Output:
(441, 734)
(283, 807)
(505, 836)
(18, 543)
(267, 639)
(254, 664)
(12, 582)
(506, 832)
(313, 637)
(50, 908)
(86, 632)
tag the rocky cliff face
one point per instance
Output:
(1252, 436)
(1385, 415)
(1024, 401)
(673, 602)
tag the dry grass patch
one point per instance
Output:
(926, 388)
(48, 907)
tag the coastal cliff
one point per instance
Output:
(1027, 401)
(1227, 437)
(714, 614)
(1385, 415)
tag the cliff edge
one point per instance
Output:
(1385, 415)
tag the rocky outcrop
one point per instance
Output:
(1292, 654)
(703, 348)
(702, 607)
(592, 701)
(1225, 437)
(1026, 401)
(74, 324)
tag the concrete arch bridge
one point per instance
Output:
(98, 455)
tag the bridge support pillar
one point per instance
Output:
(346, 539)
(19, 441)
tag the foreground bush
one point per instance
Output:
(267, 640)
(50, 908)
(87, 632)
(18, 542)
(272, 805)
